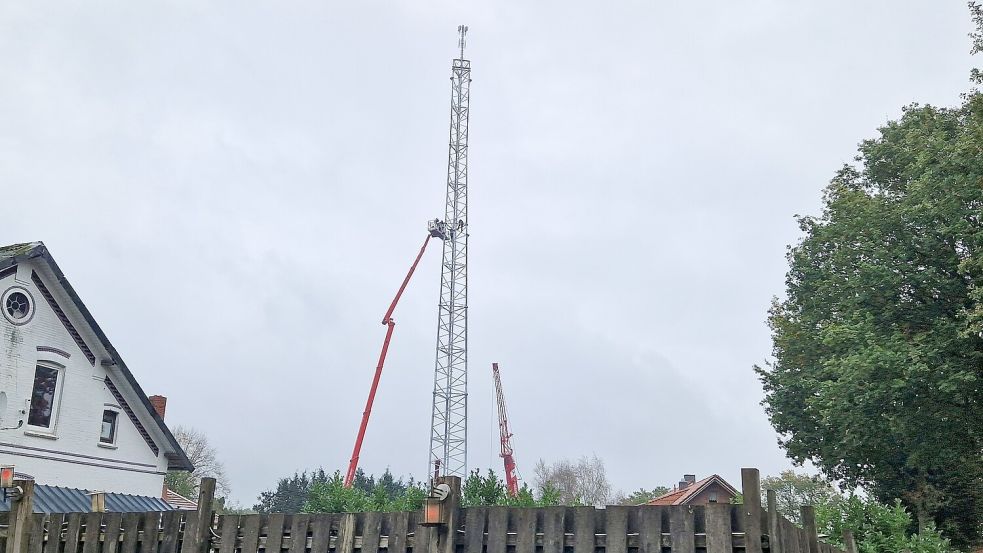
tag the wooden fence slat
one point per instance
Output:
(400, 525)
(719, 533)
(525, 531)
(751, 488)
(682, 529)
(93, 524)
(583, 530)
(298, 533)
(803, 540)
(149, 538)
(320, 533)
(497, 529)
(650, 529)
(72, 533)
(114, 523)
(553, 529)
(55, 521)
(474, 530)
(346, 534)
(36, 542)
(249, 527)
(229, 528)
(170, 523)
(131, 532)
(616, 528)
(371, 530)
(274, 532)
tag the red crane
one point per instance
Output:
(390, 323)
(511, 479)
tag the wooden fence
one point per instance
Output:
(715, 528)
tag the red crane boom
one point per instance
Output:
(387, 320)
(511, 479)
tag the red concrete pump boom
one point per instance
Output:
(390, 323)
(511, 479)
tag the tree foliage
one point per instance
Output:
(478, 490)
(641, 496)
(878, 346)
(793, 490)
(583, 482)
(204, 457)
(876, 527)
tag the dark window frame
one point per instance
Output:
(114, 428)
(45, 416)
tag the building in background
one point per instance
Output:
(689, 491)
(72, 414)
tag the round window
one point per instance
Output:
(17, 305)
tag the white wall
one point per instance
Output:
(69, 454)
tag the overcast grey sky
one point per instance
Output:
(236, 189)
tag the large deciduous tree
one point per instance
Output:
(877, 373)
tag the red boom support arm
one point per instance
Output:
(390, 323)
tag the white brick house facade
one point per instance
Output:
(71, 413)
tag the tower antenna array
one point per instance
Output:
(449, 419)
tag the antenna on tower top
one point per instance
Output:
(463, 29)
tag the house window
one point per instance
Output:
(713, 497)
(43, 397)
(17, 306)
(108, 435)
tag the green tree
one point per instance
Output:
(290, 493)
(878, 352)
(876, 527)
(641, 496)
(204, 457)
(793, 490)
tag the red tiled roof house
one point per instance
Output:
(712, 489)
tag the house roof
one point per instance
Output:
(682, 496)
(55, 499)
(18, 253)
(178, 501)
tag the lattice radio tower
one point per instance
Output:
(449, 422)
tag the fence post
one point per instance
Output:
(751, 484)
(809, 525)
(197, 535)
(21, 515)
(848, 542)
(775, 544)
(447, 534)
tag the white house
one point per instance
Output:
(71, 413)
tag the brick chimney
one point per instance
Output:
(687, 480)
(160, 404)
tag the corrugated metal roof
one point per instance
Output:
(55, 499)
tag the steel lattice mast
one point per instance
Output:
(449, 422)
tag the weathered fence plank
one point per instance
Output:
(170, 523)
(751, 489)
(497, 528)
(55, 523)
(346, 534)
(719, 537)
(131, 533)
(583, 530)
(553, 529)
(114, 523)
(525, 531)
(681, 528)
(615, 530)
(298, 533)
(274, 532)
(249, 528)
(93, 524)
(36, 541)
(474, 530)
(400, 524)
(320, 533)
(809, 526)
(650, 529)
(72, 533)
(371, 530)
(229, 527)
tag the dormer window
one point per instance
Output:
(109, 420)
